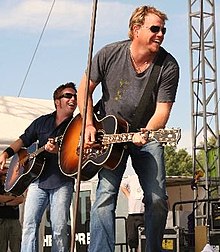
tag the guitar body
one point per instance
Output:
(107, 151)
(96, 157)
(22, 172)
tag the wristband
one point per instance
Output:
(9, 151)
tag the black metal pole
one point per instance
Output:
(76, 200)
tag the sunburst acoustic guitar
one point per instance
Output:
(112, 134)
(24, 168)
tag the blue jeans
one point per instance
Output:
(37, 200)
(148, 163)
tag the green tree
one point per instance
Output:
(178, 162)
(211, 155)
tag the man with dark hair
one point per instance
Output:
(52, 187)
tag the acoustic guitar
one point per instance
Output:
(112, 134)
(24, 168)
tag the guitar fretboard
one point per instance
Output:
(41, 149)
(117, 138)
(37, 152)
(163, 136)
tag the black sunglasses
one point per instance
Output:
(68, 96)
(156, 29)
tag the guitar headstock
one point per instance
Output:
(169, 137)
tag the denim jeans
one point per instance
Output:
(148, 163)
(37, 200)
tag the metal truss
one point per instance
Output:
(204, 95)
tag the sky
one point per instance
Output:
(32, 69)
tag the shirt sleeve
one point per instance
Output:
(168, 80)
(29, 136)
(98, 66)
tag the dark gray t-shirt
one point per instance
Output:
(122, 87)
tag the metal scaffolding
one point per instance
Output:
(204, 95)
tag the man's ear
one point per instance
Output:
(57, 102)
(136, 29)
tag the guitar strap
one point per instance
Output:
(139, 113)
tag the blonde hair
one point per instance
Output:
(138, 17)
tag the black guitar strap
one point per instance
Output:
(148, 90)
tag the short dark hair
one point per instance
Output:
(58, 91)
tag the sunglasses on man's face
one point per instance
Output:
(68, 96)
(156, 29)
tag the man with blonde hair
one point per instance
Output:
(124, 69)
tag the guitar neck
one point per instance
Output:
(164, 136)
(37, 152)
(41, 149)
(117, 138)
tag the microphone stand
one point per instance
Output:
(76, 200)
